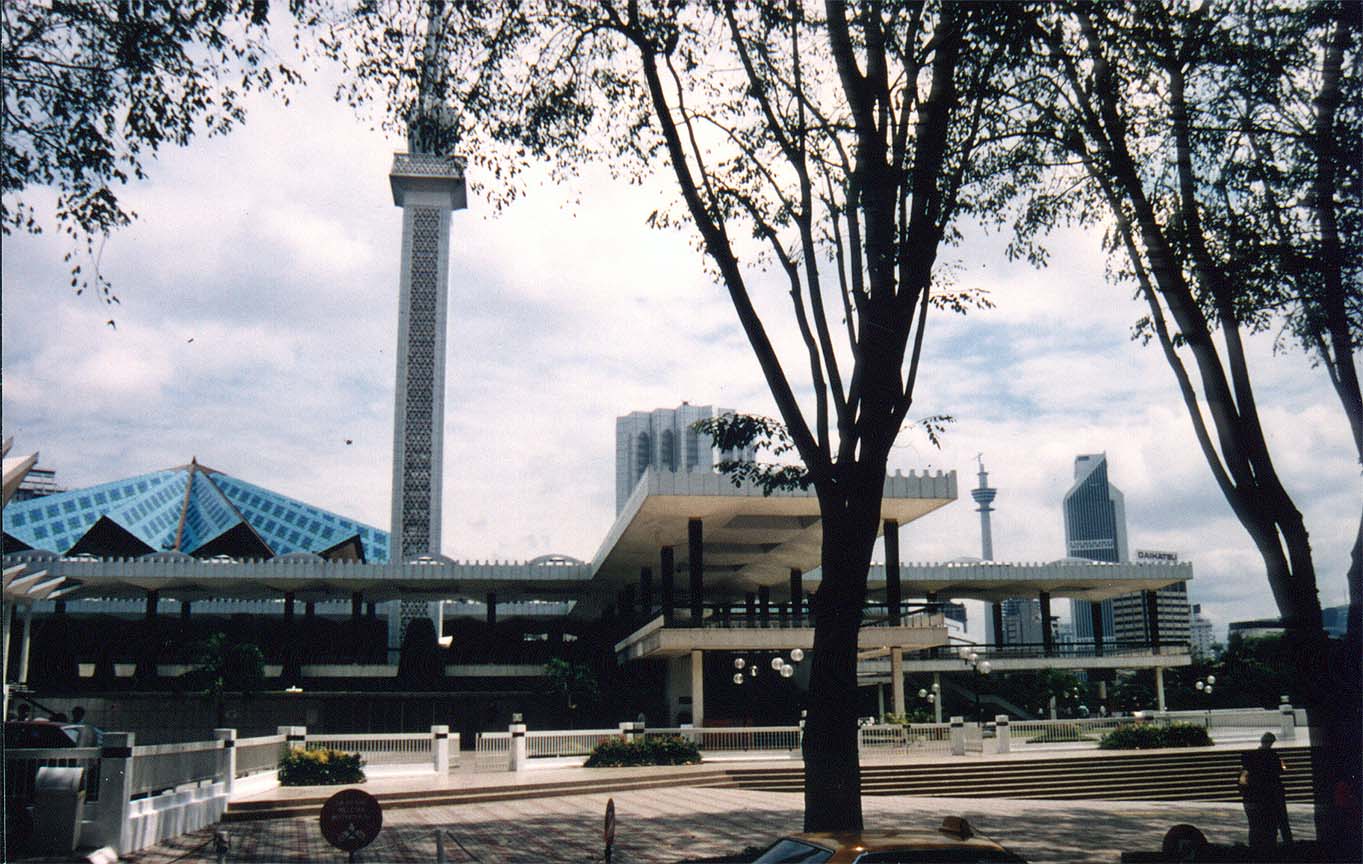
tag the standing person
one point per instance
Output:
(1261, 787)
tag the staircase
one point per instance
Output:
(284, 808)
(1196, 775)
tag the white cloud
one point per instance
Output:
(275, 250)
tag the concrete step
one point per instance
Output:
(284, 808)
(1192, 776)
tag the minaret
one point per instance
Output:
(984, 496)
(428, 184)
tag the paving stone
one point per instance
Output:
(658, 826)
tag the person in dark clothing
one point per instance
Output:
(1261, 787)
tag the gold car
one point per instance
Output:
(955, 842)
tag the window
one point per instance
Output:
(794, 852)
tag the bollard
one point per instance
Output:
(440, 750)
(517, 755)
(957, 736)
(1288, 722)
(1002, 737)
(227, 759)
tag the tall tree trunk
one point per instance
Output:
(832, 771)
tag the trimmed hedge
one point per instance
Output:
(1062, 733)
(320, 768)
(671, 750)
(1132, 736)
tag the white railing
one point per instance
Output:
(1078, 730)
(749, 739)
(890, 740)
(574, 742)
(395, 748)
(22, 764)
(492, 751)
(258, 755)
(158, 767)
(1248, 718)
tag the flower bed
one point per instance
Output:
(672, 750)
(324, 767)
(1132, 736)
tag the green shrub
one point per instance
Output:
(1131, 736)
(320, 768)
(671, 750)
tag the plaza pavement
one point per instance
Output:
(672, 824)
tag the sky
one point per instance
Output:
(258, 321)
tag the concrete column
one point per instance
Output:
(893, 590)
(897, 679)
(184, 610)
(957, 736)
(288, 608)
(1102, 695)
(1003, 739)
(153, 597)
(667, 572)
(1152, 619)
(937, 698)
(1159, 687)
(695, 555)
(880, 701)
(646, 589)
(797, 588)
(227, 761)
(997, 612)
(309, 611)
(25, 646)
(440, 750)
(113, 825)
(356, 606)
(1096, 622)
(764, 604)
(517, 754)
(750, 601)
(1047, 637)
(371, 610)
(698, 689)
(4, 658)
(491, 603)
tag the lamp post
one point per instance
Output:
(980, 667)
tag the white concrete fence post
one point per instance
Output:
(440, 749)
(626, 731)
(1001, 735)
(294, 736)
(517, 757)
(227, 758)
(113, 822)
(957, 736)
(1288, 720)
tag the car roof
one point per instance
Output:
(889, 841)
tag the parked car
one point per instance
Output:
(20, 774)
(955, 842)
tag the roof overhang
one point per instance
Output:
(748, 539)
(993, 581)
(653, 640)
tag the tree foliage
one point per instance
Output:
(95, 88)
(836, 145)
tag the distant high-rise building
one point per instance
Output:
(1335, 619)
(1095, 528)
(1020, 616)
(1131, 612)
(37, 483)
(666, 440)
(1201, 634)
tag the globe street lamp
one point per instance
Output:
(980, 667)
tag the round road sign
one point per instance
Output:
(351, 819)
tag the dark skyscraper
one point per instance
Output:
(1095, 528)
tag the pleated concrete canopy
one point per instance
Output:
(749, 539)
